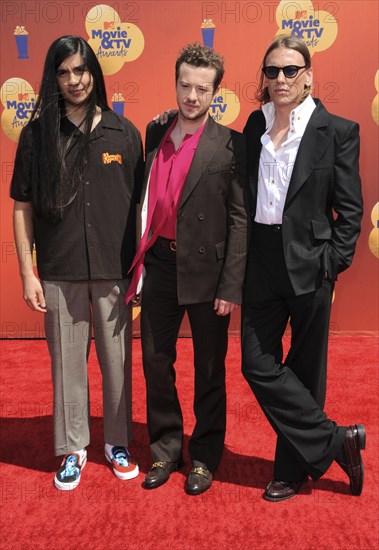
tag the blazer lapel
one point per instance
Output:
(254, 129)
(154, 138)
(253, 175)
(205, 150)
(312, 147)
(150, 159)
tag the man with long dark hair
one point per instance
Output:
(305, 208)
(75, 185)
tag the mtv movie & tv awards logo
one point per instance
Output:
(375, 102)
(114, 42)
(373, 240)
(318, 29)
(225, 107)
(19, 99)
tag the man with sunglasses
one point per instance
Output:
(305, 209)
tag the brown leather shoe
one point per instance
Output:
(350, 459)
(282, 490)
(199, 480)
(159, 473)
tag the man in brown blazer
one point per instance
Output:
(192, 253)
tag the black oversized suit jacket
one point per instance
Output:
(323, 207)
(211, 225)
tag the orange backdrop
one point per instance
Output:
(137, 44)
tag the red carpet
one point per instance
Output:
(106, 513)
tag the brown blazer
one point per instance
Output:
(211, 225)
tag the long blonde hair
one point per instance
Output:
(284, 41)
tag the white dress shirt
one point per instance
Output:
(275, 167)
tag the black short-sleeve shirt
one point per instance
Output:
(96, 238)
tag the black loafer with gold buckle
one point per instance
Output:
(199, 480)
(159, 473)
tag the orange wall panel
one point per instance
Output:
(137, 44)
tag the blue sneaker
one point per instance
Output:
(124, 467)
(68, 475)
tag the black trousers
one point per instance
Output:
(291, 393)
(161, 317)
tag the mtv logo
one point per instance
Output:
(301, 14)
(109, 25)
(23, 97)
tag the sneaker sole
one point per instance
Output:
(127, 475)
(69, 486)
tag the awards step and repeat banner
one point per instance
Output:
(137, 44)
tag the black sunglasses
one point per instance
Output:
(290, 71)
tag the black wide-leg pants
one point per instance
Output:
(291, 393)
(161, 317)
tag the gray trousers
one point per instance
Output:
(74, 310)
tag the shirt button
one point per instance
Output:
(202, 250)
(200, 217)
(88, 204)
(89, 225)
(270, 203)
(272, 181)
(87, 182)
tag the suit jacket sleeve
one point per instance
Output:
(347, 204)
(230, 286)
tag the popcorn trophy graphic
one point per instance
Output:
(208, 32)
(21, 36)
(118, 104)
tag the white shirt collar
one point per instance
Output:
(299, 117)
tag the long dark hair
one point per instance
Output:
(57, 186)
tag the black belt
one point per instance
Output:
(267, 227)
(166, 243)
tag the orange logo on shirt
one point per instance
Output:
(107, 158)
